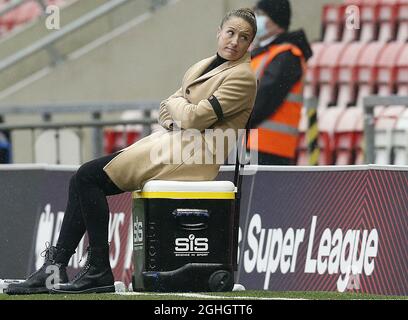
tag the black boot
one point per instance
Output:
(95, 277)
(56, 260)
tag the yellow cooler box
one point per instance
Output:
(184, 236)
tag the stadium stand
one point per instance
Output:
(332, 25)
(24, 13)
(301, 152)
(347, 75)
(387, 20)
(347, 134)
(369, 22)
(310, 89)
(367, 70)
(351, 63)
(348, 64)
(402, 72)
(328, 121)
(119, 137)
(328, 67)
(387, 68)
(402, 21)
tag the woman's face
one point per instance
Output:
(234, 38)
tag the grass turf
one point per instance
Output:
(203, 296)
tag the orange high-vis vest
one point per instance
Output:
(278, 134)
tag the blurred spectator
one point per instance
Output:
(278, 59)
(5, 146)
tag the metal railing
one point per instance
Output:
(155, 4)
(58, 127)
(370, 103)
(48, 41)
(48, 111)
(13, 4)
(80, 107)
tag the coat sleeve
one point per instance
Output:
(165, 120)
(234, 95)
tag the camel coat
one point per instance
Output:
(220, 99)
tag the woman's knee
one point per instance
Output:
(86, 172)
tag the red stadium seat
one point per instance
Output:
(402, 90)
(369, 22)
(58, 3)
(387, 18)
(347, 75)
(367, 70)
(346, 136)
(119, 137)
(367, 18)
(372, 2)
(27, 12)
(8, 21)
(388, 2)
(378, 20)
(115, 140)
(402, 34)
(402, 72)
(310, 89)
(328, 73)
(2, 25)
(355, 2)
(24, 13)
(351, 33)
(332, 24)
(387, 68)
(302, 158)
(20, 15)
(328, 120)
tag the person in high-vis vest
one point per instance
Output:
(279, 61)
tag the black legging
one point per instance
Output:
(87, 207)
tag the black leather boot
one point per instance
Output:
(53, 269)
(95, 277)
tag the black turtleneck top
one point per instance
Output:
(216, 63)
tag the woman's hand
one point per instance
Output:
(165, 119)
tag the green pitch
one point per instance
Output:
(247, 295)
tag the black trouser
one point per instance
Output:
(87, 208)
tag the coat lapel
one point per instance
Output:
(195, 78)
